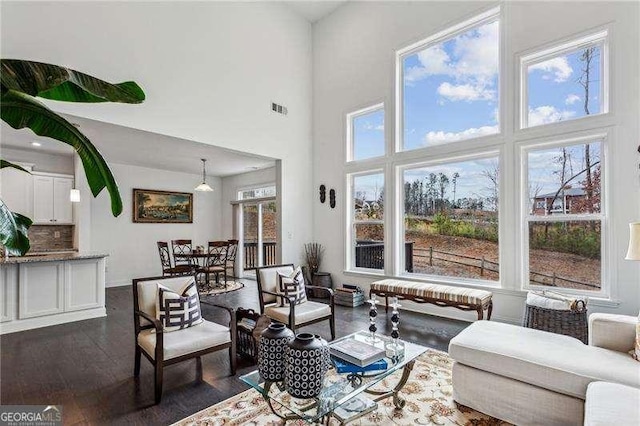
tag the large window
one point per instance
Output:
(365, 133)
(565, 82)
(564, 215)
(451, 219)
(449, 86)
(367, 221)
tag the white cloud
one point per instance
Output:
(472, 59)
(465, 92)
(440, 137)
(559, 67)
(370, 126)
(548, 114)
(572, 99)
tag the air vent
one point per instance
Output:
(278, 108)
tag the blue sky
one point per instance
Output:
(368, 135)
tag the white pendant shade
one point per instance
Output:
(74, 195)
(203, 187)
(633, 253)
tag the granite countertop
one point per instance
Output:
(51, 257)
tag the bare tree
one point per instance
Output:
(493, 175)
(443, 183)
(587, 58)
(456, 175)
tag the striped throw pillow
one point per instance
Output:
(177, 311)
(292, 285)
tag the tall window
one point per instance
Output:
(451, 219)
(565, 82)
(449, 86)
(265, 191)
(564, 215)
(365, 133)
(367, 221)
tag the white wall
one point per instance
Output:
(210, 71)
(42, 161)
(230, 187)
(132, 246)
(353, 67)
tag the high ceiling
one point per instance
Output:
(124, 145)
(313, 11)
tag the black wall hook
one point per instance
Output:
(332, 198)
(323, 193)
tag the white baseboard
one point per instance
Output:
(49, 320)
(118, 283)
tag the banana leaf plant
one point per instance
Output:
(23, 81)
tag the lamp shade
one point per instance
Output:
(74, 196)
(633, 253)
(203, 187)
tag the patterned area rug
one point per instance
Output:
(428, 394)
(219, 288)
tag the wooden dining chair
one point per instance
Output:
(169, 270)
(216, 260)
(232, 251)
(181, 248)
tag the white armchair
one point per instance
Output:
(295, 316)
(614, 332)
(163, 349)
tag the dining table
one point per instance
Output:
(199, 259)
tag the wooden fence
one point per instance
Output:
(490, 266)
(251, 254)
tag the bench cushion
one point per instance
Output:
(611, 404)
(460, 295)
(551, 361)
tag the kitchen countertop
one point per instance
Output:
(51, 257)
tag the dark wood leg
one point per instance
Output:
(480, 312)
(386, 304)
(332, 325)
(199, 369)
(233, 359)
(158, 382)
(489, 309)
(136, 366)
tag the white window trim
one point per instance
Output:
(350, 258)
(599, 37)
(350, 117)
(607, 274)
(442, 36)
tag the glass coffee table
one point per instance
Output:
(343, 396)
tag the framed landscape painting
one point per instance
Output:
(150, 206)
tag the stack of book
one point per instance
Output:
(349, 295)
(359, 353)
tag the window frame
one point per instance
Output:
(606, 274)
(352, 222)
(598, 37)
(350, 117)
(446, 34)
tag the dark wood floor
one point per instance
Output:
(87, 366)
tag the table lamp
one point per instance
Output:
(633, 253)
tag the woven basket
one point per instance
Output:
(570, 323)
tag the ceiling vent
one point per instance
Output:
(278, 108)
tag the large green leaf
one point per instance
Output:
(20, 110)
(5, 163)
(64, 84)
(13, 231)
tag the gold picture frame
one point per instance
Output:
(153, 206)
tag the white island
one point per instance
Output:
(49, 289)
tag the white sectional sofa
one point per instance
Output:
(531, 377)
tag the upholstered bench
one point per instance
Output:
(466, 299)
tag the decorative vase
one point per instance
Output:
(271, 351)
(306, 362)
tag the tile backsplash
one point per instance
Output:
(51, 237)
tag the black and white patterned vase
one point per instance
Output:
(306, 362)
(271, 351)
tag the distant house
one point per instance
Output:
(570, 200)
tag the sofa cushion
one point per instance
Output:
(611, 404)
(636, 349)
(552, 361)
(202, 336)
(305, 312)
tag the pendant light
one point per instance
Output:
(203, 186)
(74, 194)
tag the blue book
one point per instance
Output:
(346, 367)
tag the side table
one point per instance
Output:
(321, 279)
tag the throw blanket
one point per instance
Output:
(552, 300)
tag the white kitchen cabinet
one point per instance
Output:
(40, 289)
(51, 203)
(84, 284)
(16, 189)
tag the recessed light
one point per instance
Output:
(36, 144)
